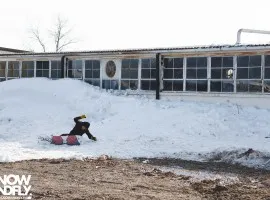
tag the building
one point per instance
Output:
(236, 72)
(4, 50)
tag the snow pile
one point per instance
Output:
(125, 126)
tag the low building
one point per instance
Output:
(236, 72)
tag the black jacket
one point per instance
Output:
(77, 130)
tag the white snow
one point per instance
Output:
(125, 126)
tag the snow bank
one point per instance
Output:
(125, 126)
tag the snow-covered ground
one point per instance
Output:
(125, 126)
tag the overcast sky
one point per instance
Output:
(120, 24)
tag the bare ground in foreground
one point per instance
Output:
(126, 179)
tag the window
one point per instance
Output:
(2, 69)
(249, 74)
(13, 69)
(28, 69)
(222, 74)
(110, 84)
(173, 74)
(129, 74)
(75, 69)
(92, 72)
(196, 74)
(56, 70)
(267, 74)
(148, 74)
(42, 69)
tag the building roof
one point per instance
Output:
(4, 49)
(151, 50)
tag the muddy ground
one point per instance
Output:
(107, 178)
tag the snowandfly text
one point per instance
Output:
(15, 186)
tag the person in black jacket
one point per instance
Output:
(81, 128)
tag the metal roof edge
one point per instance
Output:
(152, 50)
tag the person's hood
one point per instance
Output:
(86, 124)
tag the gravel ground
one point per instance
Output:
(107, 178)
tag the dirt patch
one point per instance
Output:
(107, 178)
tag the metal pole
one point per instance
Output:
(249, 31)
(157, 75)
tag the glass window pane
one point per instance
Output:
(125, 73)
(145, 63)
(178, 73)
(255, 73)
(133, 84)
(153, 73)
(134, 63)
(2, 69)
(88, 64)
(39, 65)
(242, 73)
(30, 73)
(46, 73)
(178, 62)
(96, 73)
(145, 73)
(13, 69)
(201, 62)
(124, 84)
(168, 73)
(27, 65)
(169, 63)
(88, 74)
(78, 64)
(166, 62)
(266, 86)
(255, 61)
(216, 62)
(168, 85)
(177, 85)
(255, 86)
(96, 65)
(70, 64)
(191, 74)
(227, 62)
(201, 73)
(133, 73)
(242, 86)
(94, 82)
(216, 73)
(191, 62)
(45, 65)
(242, 61)
(152, 85)
(145, 85)
(227, 86)
(202, 86)
(38, 73)
(190, 85)
(56, 65)
(267, 73)
(153, 63)
(54, 74)
(267, 60)
(125, 64)
(215, 86)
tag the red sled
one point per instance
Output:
(58, 140)
(72, 140)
